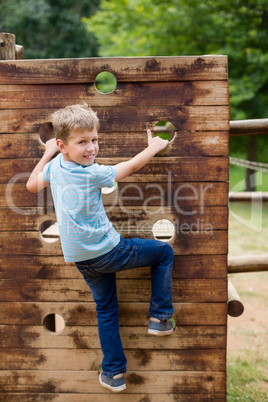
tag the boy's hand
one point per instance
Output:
(156, 143)
(36, 182)
(51, 147)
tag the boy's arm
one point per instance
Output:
(155, 145)
(36, 182)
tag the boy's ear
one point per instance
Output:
(61, 146)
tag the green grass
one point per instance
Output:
(246, 380)
(248, 228)
(247, 369)
(237, 179)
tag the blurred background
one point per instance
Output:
(237, 28)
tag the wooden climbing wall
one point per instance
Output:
(186, 185)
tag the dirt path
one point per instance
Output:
(250, 330)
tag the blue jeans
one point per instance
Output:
(99, 274)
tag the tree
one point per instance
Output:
(237, 28)
(50, 28)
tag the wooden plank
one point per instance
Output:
(195, 118)
(187, 243)
(16, 146)
(25, 397)
(40, 397)
(188, 337)
(89, 359)
(76, 290)
(158, 170)
(47, 267)
(86, 381)
(200, 266)
(126, 94)
(178, 169)
(15, 195)
(184, 143)
(124, 68)
(131, 314)
(141, 194)
(196, 143)
(210, 218)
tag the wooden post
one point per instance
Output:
(235, 305)
(248, 127)
(7, 46)
(249, 196)
(248, 263)
(19, 52)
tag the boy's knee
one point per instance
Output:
(169, 251)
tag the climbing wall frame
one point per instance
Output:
(186, 184)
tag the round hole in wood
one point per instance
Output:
(54, 323)
(109, 190)
(163, 230)
(105, 82)
(164, 129)
(46, 132)
(50, 231)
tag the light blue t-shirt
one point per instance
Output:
(85, 230)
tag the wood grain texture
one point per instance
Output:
(70, 397)
(181, 195)
(131, 314)
(54, 267)
(134, 219)
(187, 337)
(7, 46)
(199, 143)
(152, 382)
(75, 290)
(187, 243)
(89, 359)
(125, 94)
(158, 170)
(124, 68)
(186, 184)
(116, 119)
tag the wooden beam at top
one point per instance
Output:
(169, 68)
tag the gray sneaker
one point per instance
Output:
(116, 385)
(161, 328)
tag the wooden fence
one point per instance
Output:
(186, 185)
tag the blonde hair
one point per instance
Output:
(71, 118)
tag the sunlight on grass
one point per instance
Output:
(248, 228)
(246, 381)
(247, 363)
(237, 179)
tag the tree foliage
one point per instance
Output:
(50, 28)
(237, 28)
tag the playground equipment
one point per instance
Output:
(49, 342)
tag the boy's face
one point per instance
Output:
(82, 147)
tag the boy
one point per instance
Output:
(88, 238)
